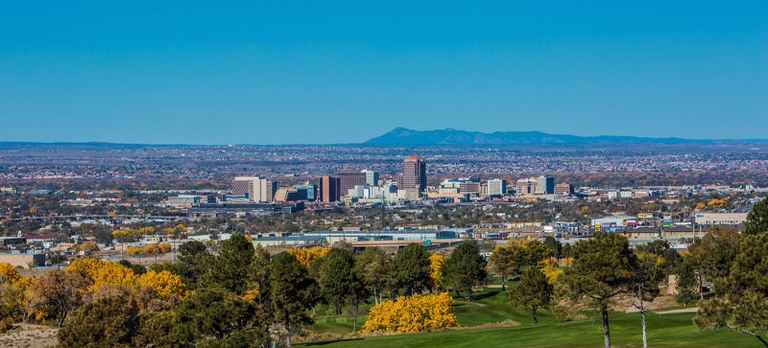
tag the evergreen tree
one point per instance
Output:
(192, 263)
(719, 249)
(757, 219)
(533, 292)
(218, 317)
(686, 283)
(293, 294)
(412, 269)
(232, 268)
(601, 270)
(465, 268)
(502, 262)
(740, 300)
(376, 270)
(555, 246)
(336, 278)
(260, 277)
(106, 322)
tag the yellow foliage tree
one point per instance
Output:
(307, 255)
(552, 273)
(715, 202)
(412, 314)
(165, 283)
(86, 266)
(12, 302)
(113, 274)
(9, 273)
(87, 247)
(101, 273)
(436, 262)
(180, 228)
(150, 249)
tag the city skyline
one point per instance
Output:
(344, 73)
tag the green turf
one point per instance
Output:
(669, 330)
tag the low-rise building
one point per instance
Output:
(720, 218)
(23, 260)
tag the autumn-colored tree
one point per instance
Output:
(9, 273)
(55, 295)
(165, 283)
(12, 301)
(132, 235)
(717, 202)
(416, 313)
(87, 247)
(552, 273)
(436, 271)
(307, 255)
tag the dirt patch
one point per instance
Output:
(681, 310)
(26, 335)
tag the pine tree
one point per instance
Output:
(686, 283)
(533, 292)
(601, 270)
(412, 269)
(740, 300)
(465, 268)
(336, 278)
(231, 269)
(293, 294)
(757, 219)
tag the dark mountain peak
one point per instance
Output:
(451, 136)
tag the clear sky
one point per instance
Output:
(252, 72)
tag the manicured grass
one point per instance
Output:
(668, 330)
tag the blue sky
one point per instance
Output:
(226, 72)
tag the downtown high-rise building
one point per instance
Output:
(371, 177)
(497, 187)
(348, 180)
(329, 189)
(414, 174)
(545, 185)
(258, 189)
(525, 186)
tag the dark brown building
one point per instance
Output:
(414, 174)
(329, 189)
(348, 180)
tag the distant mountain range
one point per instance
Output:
(450, 136)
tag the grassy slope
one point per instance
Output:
(670, 330)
